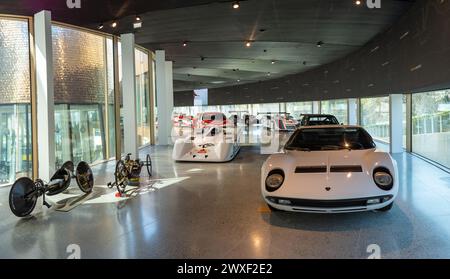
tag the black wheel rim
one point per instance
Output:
(60, 174)
(121, 174)
(149, 165)
(85, 177)
(23, 197)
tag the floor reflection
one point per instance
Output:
(216, 210)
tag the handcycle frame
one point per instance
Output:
(127, 169)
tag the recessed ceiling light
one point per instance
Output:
(185, 44)
(319, 44)
(273, 62)
(236, 5)
(114, 24)
(100, 27)
(138, 18)
(358, 2)
(238, 80)
(248, 44)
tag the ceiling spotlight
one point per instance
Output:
(236, 5)
(319, 44)
(248, 44)
(238, 80)
(114, 24)
(268, 74)
(273, 62)
(100, 27)
(138, 18)
(185, 44)
(358, 2)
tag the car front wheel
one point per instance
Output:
(386, 208)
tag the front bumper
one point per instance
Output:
(330, 206)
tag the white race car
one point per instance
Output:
(182, 120)
(330, 169)
(209, 144)
(284, 122)
(210, 119)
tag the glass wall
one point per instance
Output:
(431, 125)
(266, 108)
(15, 105)
(142, 97)
(84, 91)
(338, 108)
(375, 117)
(298, 108)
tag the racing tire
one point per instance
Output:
(121, 176)
(148, 164)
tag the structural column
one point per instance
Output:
(169, 90)
(396, 123)
(45, 94)
(353, 111)
(164, 96)
(129, 94)
(316, 107)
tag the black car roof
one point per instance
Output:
(323, 115)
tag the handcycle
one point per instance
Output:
(25, 192)
(128, 169)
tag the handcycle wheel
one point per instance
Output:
(23, 197)
(85, 177)
(68, 166)
(121, 176)
(63, 174)
(149, 166)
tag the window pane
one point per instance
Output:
(142, 97)
(431, 125)
(375, 117)
(82, 86)
(15, 108)
(338, 108)
(296, 109)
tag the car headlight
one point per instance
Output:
(274, 180)
(383, 179)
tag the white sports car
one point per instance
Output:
(330, 169)
(209, 144)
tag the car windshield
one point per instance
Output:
(322, 139)
(320, 120)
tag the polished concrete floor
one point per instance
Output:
(216, 211)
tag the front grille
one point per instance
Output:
(311, 169)
(346, 169)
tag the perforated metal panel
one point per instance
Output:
(79, 66)
(15, 61)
